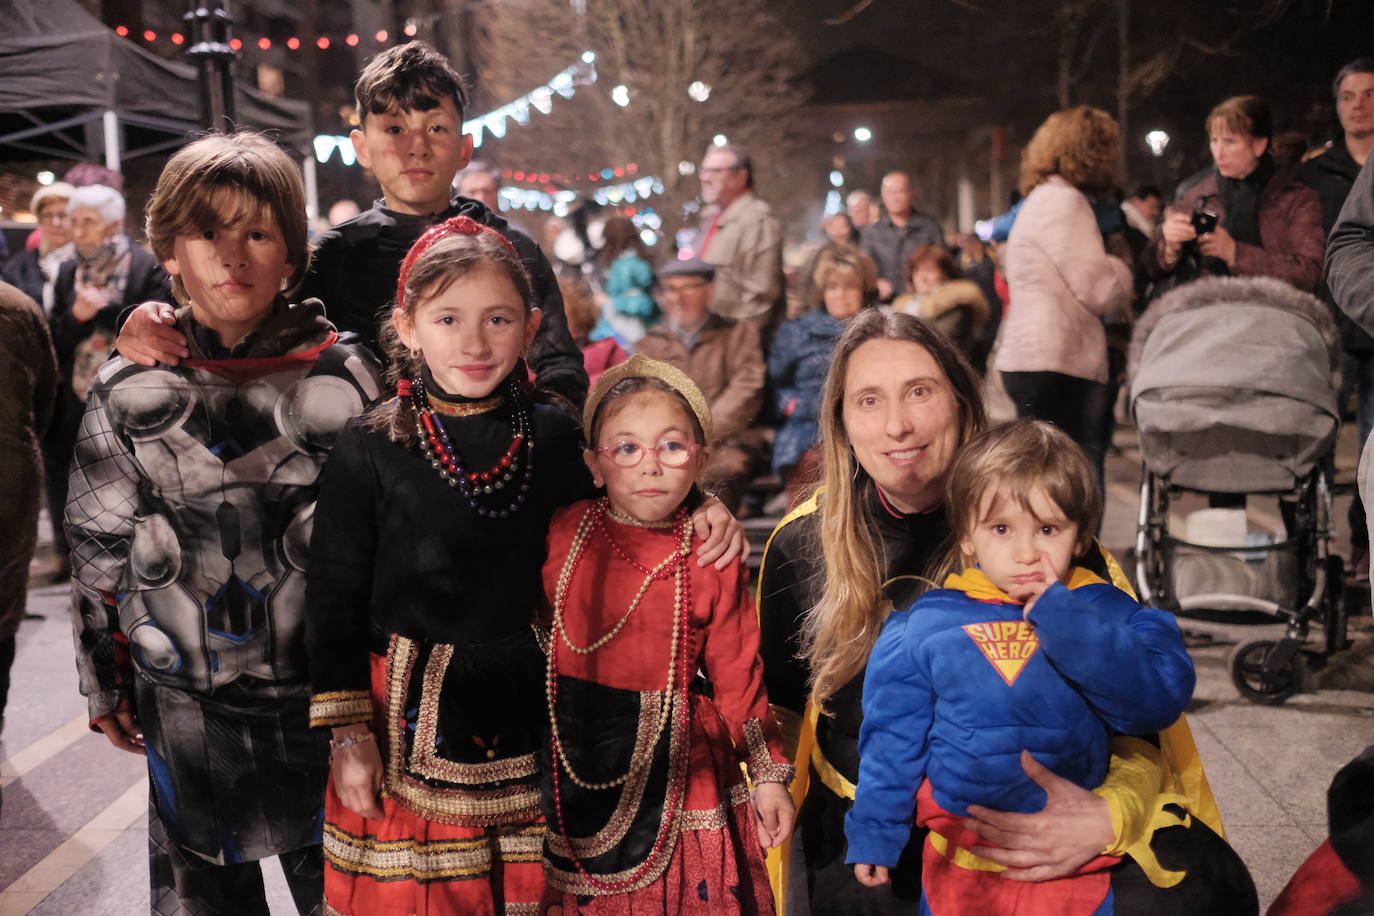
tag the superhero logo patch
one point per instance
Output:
(1007, 644)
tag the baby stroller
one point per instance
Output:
(1233, 390)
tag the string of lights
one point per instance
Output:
(293, 43)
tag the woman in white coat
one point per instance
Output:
(1053, 351)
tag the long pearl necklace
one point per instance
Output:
(677, 658)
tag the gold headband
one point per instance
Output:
(642, 367)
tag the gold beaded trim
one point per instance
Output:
(470, 409)
(455, 807)
(625, 518)
(427, 861)
(631, 796)
(762, 768)
(709, 819)
(340, 707)
(425, 761)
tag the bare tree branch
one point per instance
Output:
(850, 13)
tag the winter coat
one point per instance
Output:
(726, 362)
(797, 366)
(600, 355)
(1290, 225)
(28, 380)
(1332, 175)
(1062, 284)
(746, 248)
(1349, 267)
(957, 309)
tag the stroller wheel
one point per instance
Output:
(1272, 687)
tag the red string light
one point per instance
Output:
(323, 42)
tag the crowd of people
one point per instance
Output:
(325, 582)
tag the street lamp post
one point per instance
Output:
(208, 22)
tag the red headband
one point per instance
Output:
(458, 225)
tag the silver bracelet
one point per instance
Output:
(338, 744)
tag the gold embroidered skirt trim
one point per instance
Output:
(438, 860)
(340, 707)
(573, 882)
(454, 806)
(423, 759)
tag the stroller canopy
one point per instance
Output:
(1233, 385)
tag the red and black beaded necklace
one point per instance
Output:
(512, 470)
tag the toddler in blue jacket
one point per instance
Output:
(1022, 650)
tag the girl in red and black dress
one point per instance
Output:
(424, 578)
(647, 808)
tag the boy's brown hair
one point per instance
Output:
(408, 77)
(1014, 459)
(193, 189)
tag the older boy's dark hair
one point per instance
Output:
(1014, 459)
(194, 192)
(408, 77)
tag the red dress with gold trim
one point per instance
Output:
(647, 805)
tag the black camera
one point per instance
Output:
(1204, 220)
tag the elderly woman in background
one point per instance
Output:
(938, 294)
(845, 280)
(1255, 218)
(1053, 351)
(35, 271)
(107, 274)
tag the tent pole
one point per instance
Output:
(312, 190)
(209, 23)
(111, 122)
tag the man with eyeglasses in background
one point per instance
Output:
(740, 237)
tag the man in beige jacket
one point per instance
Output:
(741, 238)
(724, 357)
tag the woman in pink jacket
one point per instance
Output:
(1053, 351)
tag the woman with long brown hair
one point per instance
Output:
(898, 403)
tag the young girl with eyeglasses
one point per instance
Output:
(654, 686)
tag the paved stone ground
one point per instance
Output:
(73, 830)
